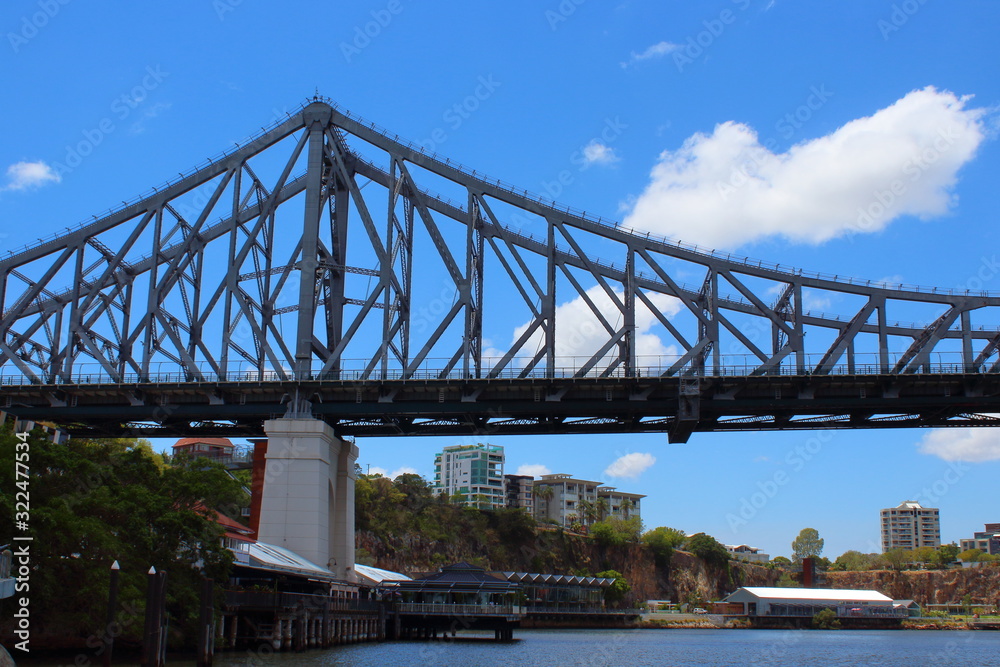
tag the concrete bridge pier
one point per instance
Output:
(307, 504)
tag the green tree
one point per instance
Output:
(947, 554)
(807, 545)
(94, 502)
(925, 555)
(617, 591)
(662, 541)
(895, 559)
(971, 556)
(617, 532)
(627, 506)
(708, 549)
(544, 494)
(601, 505)
(781, 561)
(588, 511)
(787, 581)
(854, 561)
(825, 619)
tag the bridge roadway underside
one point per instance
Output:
(673, 405)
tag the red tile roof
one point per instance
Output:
(218, 442)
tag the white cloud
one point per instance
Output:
(962, 444)
(630, 466)
(403, 470)
(597, 152)
(728, 188)
(813, 301)
(28, 175)
(580, 334)
(533, 469)
(657, 50)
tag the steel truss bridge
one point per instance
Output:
(328, 267)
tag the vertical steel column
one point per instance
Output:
(798, 312)
(968, 360)
(883, 339)
(628, 340)
(316, 122)
(473, 293)
(549, 306)
(335, 309)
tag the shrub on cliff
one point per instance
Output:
(662, 541)
(708, 549)
(615, 532)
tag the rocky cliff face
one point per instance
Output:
(926, 587)
(561, 553)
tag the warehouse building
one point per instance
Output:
(789, 603)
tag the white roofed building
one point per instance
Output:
(762, 601)
(747, 553)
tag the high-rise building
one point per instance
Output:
(987, 541)
(472, 471)
(909, 526)
(518, 489)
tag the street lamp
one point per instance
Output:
(111, 628)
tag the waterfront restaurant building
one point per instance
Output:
(767, 602)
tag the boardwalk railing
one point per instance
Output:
(275, 600)
(443, 609)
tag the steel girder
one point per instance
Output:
(307, 273)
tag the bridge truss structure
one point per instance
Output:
(328, 267)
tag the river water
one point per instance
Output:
(639, 648)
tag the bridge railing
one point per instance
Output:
(432, 369)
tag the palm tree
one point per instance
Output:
(545, 493)
(627, 506)
(602, 508)
(588, 511)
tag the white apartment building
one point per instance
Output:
(618, 503)
(747, 553)
(909, 526)
(472, 471)
(562, 503)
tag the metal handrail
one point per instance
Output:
(443, 608)
(353, 371)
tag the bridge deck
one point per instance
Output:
(508, 406)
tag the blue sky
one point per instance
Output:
(808, 110)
